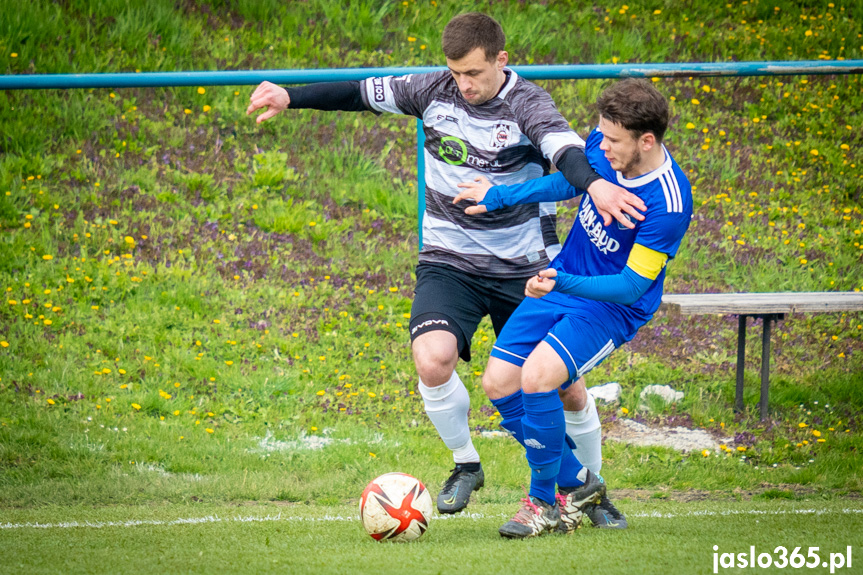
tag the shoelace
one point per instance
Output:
(527, 511)
(561, 500)
(522, 516)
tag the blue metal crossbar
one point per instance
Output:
(560, 72)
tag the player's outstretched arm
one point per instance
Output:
(476, 191)
(553, 188)
(344, 96)
(270, 96)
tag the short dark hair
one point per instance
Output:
(636, 105)
(466, 32)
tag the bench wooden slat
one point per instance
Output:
(761, 303)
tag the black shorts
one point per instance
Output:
(451, 300)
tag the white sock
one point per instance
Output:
(447, 406)
(585, 430)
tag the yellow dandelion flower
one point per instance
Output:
(705, 453)
(187, 111)
(47, 257)
(624, 411)
(50, 401)
(372, 454)
(229, 362)
(201, 91)
(322, 392)
(802, 424)
(47, 321)
(136, 406)
(690, 126)
(816, 433)
(394, 289)
(741, 448)
(4, 343)
(206, 108)
(209, 430)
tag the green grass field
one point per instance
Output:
(194, 302)
(666, 537)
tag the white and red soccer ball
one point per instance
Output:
(395, 507)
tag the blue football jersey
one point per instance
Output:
(592, 249)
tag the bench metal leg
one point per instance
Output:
(741, 357)
(765, 365)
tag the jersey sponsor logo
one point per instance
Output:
(378, 89)
(428, 323)
(454, 152)
(592, 224)
(500, 135)
(628, 217)
(447, 118)
(531, 442)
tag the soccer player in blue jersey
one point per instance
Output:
(602, 287)
(479, 118)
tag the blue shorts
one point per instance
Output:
(583, 332)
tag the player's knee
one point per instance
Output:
(491, 385)
(434, 365)
(535, 380)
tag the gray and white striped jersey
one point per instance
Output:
(512, 138)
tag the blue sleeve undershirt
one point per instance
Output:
(553, 188)
(623, 288)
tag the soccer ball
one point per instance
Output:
(395, 507)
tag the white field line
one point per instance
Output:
(335, 518)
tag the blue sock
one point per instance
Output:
(570, 466)
(511, 409)
(544, 429)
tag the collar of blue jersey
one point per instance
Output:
(649, 176)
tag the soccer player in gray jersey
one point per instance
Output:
(479, 118)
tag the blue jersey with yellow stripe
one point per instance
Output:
(592, 249)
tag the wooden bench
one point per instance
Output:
(769, 307)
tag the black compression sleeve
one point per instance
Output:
(573, 163)
(344, 96)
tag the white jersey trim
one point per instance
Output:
(553, 143)
(379, 94)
